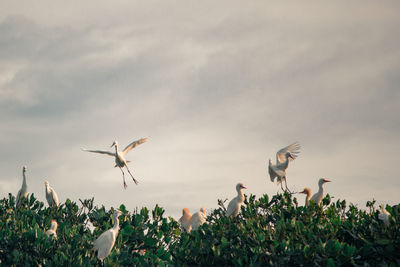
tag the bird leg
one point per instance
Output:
(282, 185)
(136, 182)
(123, 178)
(287, 187)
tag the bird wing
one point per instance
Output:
(232, 207)
(292, 148)
(133, 145)
(104, 243)
(54, 196)
(271, 172)
(100, 151)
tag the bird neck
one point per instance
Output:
(307, 199)
(116, 149)
(48, 189)
(321, 189)
(116, 224)
(23, 180)
(54, 227)
(240, 195)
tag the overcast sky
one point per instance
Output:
(217, 87)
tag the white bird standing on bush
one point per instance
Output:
(384, 215)
(120, 160)
(105, 242)
(198, 218)
(185, 220)
(23, 192)
(53, 229)
(51, 195)
(317, 197)
(307, 192)
(282, 162)
(235, 204)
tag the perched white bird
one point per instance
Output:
(23, 192)
(185, 220)
(119, 156)
(384, 215)
(51, 195)
(235, 204)
(105, 242)
(198, 218)
(317, 197)
(53, 229)
(306, 191)
(282, 162)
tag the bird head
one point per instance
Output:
(117, 213)
(323, 180)
(289, 155)
(203, 210)
(240, 186)
(54, 222)
(306, 191)
(46, 183)
(24, 169)
(185, 211)
(115, 143)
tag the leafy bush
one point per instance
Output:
(273, 231)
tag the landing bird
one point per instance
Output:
(51, 195)
(105, 242)
(282, 162)
(185, 220)
(119, 156)
(53, 229)
(235, 204)
(23, 192)
(317, 197)
(384, 215)
(198, 218)
(307, 192)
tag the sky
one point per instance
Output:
(217, 87)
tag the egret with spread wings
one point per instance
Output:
(282, 162)
(119, 156)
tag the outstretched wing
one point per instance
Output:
(292, 148)
(133, 144)
(271, 172)
(100, 152)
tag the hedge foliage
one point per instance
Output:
(268, 232)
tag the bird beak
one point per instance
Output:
(113, 144)
(302, 192)
(243, 187)
(326, 181)
(290, 155)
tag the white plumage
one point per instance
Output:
(235, 204)
(307, 192)
(105, 242)
(119, 156)
(278, 170)
(52, 232)
(23, 192)
(198, 218)
(384, 215)
(185, 220)
(51, 195)
(317, 197)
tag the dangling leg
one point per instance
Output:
(280, 181)
(136, 182)
(123, 177)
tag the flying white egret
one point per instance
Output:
(185, 220)
(198, 218)
(235, 204)
(384, 215)
(119, 156)
(307, 192)
(317, 197)
(282, 162)
(23, 192)
(51, 195)
(105, 242)
(53, 229)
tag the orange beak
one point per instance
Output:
(326, 181)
